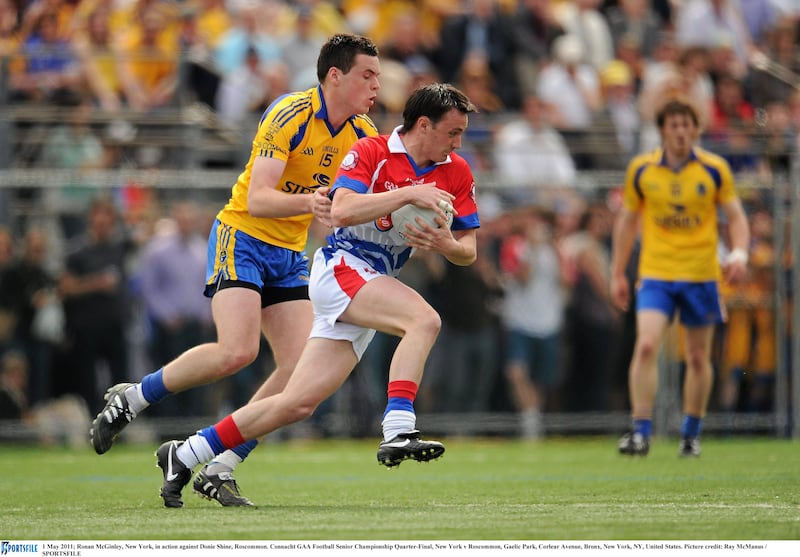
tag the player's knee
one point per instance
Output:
(302, 410)
(305, 411)
(647, 350)
(697, 360)
(235, 359)
(427, 321)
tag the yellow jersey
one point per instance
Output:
(295, 129)
(679, 213)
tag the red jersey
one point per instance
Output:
(379, 164)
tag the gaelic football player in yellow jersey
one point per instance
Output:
(258, 272)
(671, 197)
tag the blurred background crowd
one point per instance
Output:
(125, 122)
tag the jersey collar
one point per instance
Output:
(318, 103)
(321, 110)
(663, 158)
(395, 144)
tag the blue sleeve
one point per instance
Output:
(349, 183)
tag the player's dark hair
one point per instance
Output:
(677, 106)
(434, 101)
(340, 52)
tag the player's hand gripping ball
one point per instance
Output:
(407, 215)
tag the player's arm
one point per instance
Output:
(463, 250)
(351, 207)
(623, 236)
(459, 247)
(735, 266)
(263, 200)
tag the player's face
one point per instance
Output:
(678, 134)
(359, 86)
(444, 137)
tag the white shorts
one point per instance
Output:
(331, 288)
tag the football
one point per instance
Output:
(407, 214)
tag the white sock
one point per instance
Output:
(195, 450)
(396, 422)
(135, 398)
(531, 423)
(224, 463)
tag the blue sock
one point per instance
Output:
(245, 448)
(643, 426)
(691, 426)
(212, 438)
(153, 389)
(398, 403)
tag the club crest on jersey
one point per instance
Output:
(384, 223)
(350, 161)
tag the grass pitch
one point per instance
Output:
(561, 489)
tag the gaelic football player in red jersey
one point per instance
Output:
(354, 288)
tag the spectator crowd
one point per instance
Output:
(566, 89)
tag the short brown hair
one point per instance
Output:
(675, 106)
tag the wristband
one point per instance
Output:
(737, 255)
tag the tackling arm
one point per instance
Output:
(263, 200)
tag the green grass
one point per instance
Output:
(563, 489)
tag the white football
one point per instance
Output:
(407, 214)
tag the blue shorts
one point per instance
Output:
(538, 354)
(236, 259)
(698, 303)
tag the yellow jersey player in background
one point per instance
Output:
(671, 197)
(257, 271)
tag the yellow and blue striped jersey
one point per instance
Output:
(294, 128)
(679, 213)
